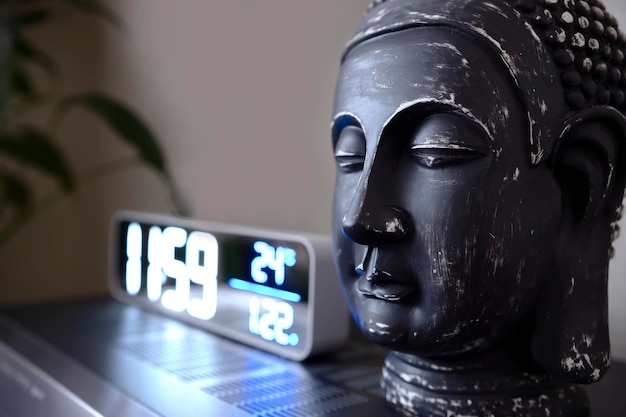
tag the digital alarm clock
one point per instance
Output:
(275, 291)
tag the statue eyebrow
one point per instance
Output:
(432, 106)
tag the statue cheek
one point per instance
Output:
(504, 254)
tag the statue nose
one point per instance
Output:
(368, 223)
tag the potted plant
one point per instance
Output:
(26, 145)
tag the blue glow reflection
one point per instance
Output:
(240, 284)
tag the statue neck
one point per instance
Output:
(491, 383)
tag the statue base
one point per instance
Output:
(490, 385)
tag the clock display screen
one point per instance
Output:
(256, 287)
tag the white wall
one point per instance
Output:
(240, 93)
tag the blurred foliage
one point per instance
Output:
(27, 147)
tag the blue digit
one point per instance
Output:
(290, 257)
(253, 320)
(274, 259)
(284, 322)
(266, 256)
(284, 256)
(270, 319)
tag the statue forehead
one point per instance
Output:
(422, 68)
(499, 28)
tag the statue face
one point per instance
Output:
(443, 231)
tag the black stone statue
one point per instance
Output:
(480, 153)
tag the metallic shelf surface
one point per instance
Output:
(99, 357)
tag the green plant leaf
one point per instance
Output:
(16, 204)
(176, 200)
(124, 122)
(15, 191)
(24, 51)
(35, 148)
(27, 18)
(22, 86)
(6, 53)
(97, 8)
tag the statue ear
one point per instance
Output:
(571, 337)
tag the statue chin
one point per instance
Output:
(480, 176)
(441, 343)
(391, 337)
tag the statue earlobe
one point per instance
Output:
(571, 336)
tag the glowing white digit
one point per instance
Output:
(267, 319)
(266, 253)
(284, 322)
(270, 319)
(133, 264)
(274, 259)
(284, 256)
(255, 310)
(178, 298)
(201, 258)
(156, 255)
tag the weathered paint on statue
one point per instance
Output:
(480, 172)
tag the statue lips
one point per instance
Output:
(382, 275)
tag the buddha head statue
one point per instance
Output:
(480, 173)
